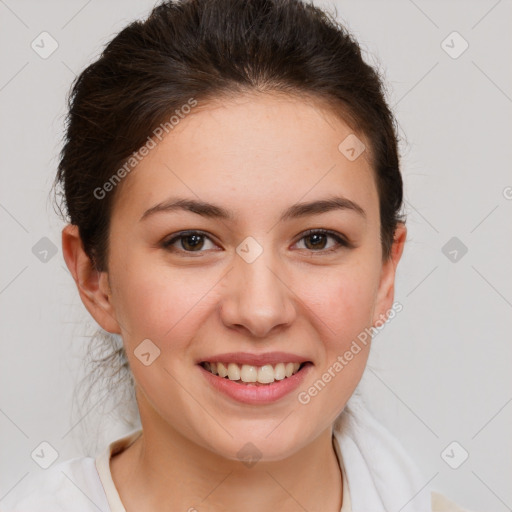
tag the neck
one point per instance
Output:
(163, 466)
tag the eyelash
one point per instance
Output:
(341, 242)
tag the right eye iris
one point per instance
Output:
(192, 242)
(316, 240)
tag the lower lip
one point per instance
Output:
(249, 394)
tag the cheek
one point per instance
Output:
(341, 308)
(343, 300)
(159, 303)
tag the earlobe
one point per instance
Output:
(92, 285)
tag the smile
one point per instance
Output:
(255, 380)
(246, 374)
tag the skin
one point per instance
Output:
(255, 155)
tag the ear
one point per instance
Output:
(93, 286)
(386, 290)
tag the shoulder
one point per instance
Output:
(441, 503)
(73, 484)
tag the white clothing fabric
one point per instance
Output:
(381, 475)
(377, 474)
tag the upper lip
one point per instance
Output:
(271, 358)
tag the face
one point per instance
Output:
(269, 281)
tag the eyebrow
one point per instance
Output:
(213, 211)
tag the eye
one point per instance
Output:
(194, 241)
(188, 241)
(315, 240)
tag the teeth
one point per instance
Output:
(288, 369)
(279, 371)
(266, 374)
(233, 371)
(247, 373)
(222, 370)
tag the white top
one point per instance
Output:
(85, 484)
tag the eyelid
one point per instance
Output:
(323, 231)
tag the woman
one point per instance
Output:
(233, 192)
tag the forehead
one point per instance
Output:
(253, 153)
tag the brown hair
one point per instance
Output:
(207, 49)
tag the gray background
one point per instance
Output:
(438, 373)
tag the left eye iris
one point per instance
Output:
(317, 241)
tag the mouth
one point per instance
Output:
(255, 379)
(251, 375)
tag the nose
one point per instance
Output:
(257, 298)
